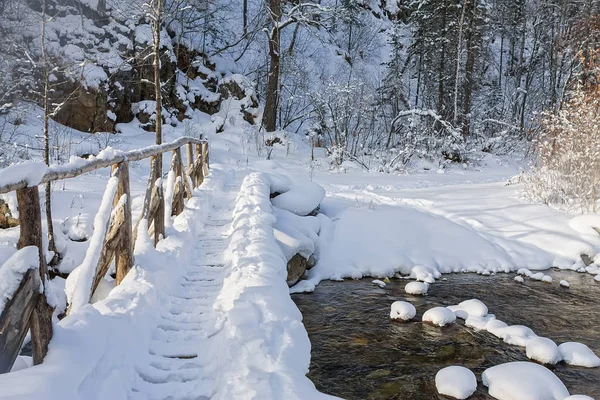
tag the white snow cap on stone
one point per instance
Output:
(416, 288)
(564, 283)
(543, 350)
(517, 335)
(455, 381)
(439, 316)
(579, 397)
(495, 327)
(523, 380)
(574, 353)
(470, 308)
(537, 277)
(402, 310)
(519, 279)
(547, 279)
(303, 197)
(379, 283)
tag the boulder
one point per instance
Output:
(296, 268)
(6, 218)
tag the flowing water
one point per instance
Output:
(359, 353)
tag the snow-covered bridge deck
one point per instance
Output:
(204, 313)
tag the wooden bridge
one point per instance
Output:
(27, 308)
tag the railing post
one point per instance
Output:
(198, 169)
(205, 160)
(124, 253)
(30, 220)
(189, 149)
(159, 214)
(178, 195)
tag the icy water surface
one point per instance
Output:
(359, 353)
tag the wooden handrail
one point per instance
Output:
(116, 233)
(71, 170)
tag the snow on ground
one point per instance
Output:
(457, 382)
(395, 224)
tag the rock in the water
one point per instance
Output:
(416, 288)
(296, 268)
(402, 310)
(457, 382)
(439, 316)
(575, 353)
(523, 381)
(543, 350)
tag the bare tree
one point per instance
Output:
(279, 21)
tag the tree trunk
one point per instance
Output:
(458, 53)
(442, 68)
(468, 84)
(245, 17)
(48, 194)
(272, 97)
(156, 30)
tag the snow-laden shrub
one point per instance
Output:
(567, 168)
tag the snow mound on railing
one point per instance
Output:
(264, 348)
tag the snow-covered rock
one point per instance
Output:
(479, 323)
(495, 327)
(519, 279)
(424, 274)
(439, 316)
(402, 310)
(537, 276)
(77, 229)
(597, 278)
(523, 380)
(547, 279)
(517, 335)
(295, 234)
(457, 382)
(417, 288)
(579, 397)
(543, 350)
(469, 308)
(379, 283)
(524, 272)
(303, 198)
(575, 353)
(564, 283)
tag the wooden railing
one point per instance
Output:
(28, 308)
